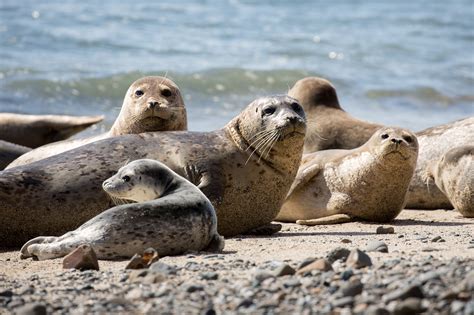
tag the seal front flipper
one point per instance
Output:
(303, 177)
(332, 219)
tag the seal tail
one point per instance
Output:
(216, 244)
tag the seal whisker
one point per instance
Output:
(259, 145)
(267, 144)
(273, 143)
(259, 138)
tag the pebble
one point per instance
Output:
(410, 291)
(284, 270)
(209, 275)
(385, 230)
(6, 293)
(352, 288)
(358, 259)
(344, 301)
(320, 265)
(136, 262)
(339, 253)
(32, 309)
(408, 306)
(163, 268)
(377, 246)
(437, 239)
(82, 258)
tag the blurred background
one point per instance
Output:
(406, 63)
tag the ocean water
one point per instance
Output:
(406, 63)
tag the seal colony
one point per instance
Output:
(368, 183)
(172, 216)
(151, 104)
(245, 169)
(330, 127)
(36, 130)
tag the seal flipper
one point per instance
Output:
(303, 177)
(216, 244)
(332, 219)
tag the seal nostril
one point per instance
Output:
(293, 120)
(152, 105)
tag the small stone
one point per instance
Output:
(339, 253)
(346, 241)
(376, 310)
(32, 309)
(292, 283)
(136, 262)
(408, 306)
(306, 262)
(260, 275)
(437, 239)
(412, 291)
(347, 274)
(82, 258)
(358, 259)
(377, 246)
(283, 270)
(320, 264)
(385, 230)
(150, 256)
(6, 293)
(344, 301)
(193, 288)
(163, 268)
(352, 288)
(429, 249)
(134, 294)
(146, 276)
(209, 276)
(456, 307)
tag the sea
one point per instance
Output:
(403, 63)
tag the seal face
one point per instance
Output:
(36, 130)
(245, 169)
(368, 183)
(172, 216)
(453, 174)
(329, 126)
(150, 104)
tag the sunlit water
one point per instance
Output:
(407, 63)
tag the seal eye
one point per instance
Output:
(268, 110)
(384, 136)
(126, 178)
(166, 92)
(139, 93)
(408, 139)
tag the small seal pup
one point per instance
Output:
(150, 104)
(9, 152)
(33, 131)
(368, 183)
(329, 126)
(171, 215)
(245, 169)
(454, 176)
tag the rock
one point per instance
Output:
(6, 293)
(377, 246)
(358, 259)
(209, 276)
(32, 309)
(291, 283)
(408, 307)
(193, 288)
(347, 274)
(344, 301)
(136, 262)
(283, 270)
(411, 291)
(306, 262)
(437, 239)
(339, 253)
(260, 275)
(352, 288)
(456, 307)
(385, 230)
(150, 256)
(320, 264)
(163, 268)
(146, 276)
(346, 241)
(134, 294)
(376, 310)
(82, 258)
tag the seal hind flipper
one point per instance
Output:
(332, 219)
(216, 244)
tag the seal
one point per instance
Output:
(329, 126)
(9, 152)
(453, 174)
(368, 183)
(247, 165)
(150, 104)
(434, 143)
(36, 130)
(171, 215)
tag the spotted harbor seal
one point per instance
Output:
(245, 169)
(368, 183)
(150, 104)
(36, 130)
(453, 174)
(329, 126)
(172, 215)
(9, 152)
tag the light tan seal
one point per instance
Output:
(454, 176)
(150, 104)
(171, 215)
(329, 126)
(9, 152)
(367, 183)
(245, 169)
(36, 130)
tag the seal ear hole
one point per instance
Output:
(126, 178)
(408, 139)
(384, 136)
(139, 93)
(166, 92)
